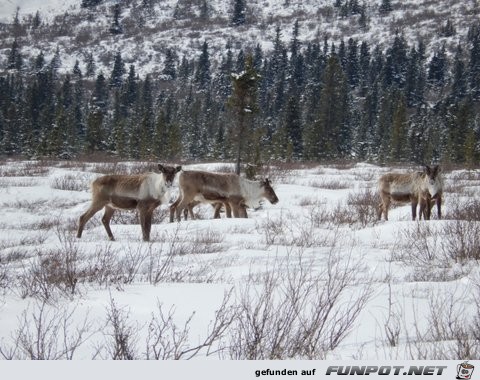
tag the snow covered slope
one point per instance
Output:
(177, 24)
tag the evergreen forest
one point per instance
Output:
(316, 101)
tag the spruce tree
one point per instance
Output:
(118, 70)
(91, 67)
(437, 68)
(160, 138)
(146, 119)
(94, 138)
(115, 27)
(328, 137)
(129, 92)
(459, 85)
(39, 62)
(169, 70)
(352, 63)
(15, 59)
(202, 74)
(293, 126)
(118, 136)
(399, 134)
(474, 60)
(239, 12)
(36, 22)
(363, 19)
(243, 103)
(385, 7)
(100, 93)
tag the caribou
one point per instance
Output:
(144, 192)
(432, 193)
(417, 187)
(238, 192)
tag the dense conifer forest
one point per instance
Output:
(300, 101)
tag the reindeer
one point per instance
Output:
(145, 192)
(415, 188)
(238, 192)
(432, 192)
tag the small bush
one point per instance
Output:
(296, 313)
(364, 206)
(70, 182)
(461, 242)
(47, 333)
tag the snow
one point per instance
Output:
(145, 47)
(30, 7)
(213, 257)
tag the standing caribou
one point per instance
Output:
(431, 193)
(416, 187)
(144, 192)
(238, 192)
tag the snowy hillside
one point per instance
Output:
(316, 268)
(148, 32)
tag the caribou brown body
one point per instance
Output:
(416, 187)
(144, 192)
(231, 189)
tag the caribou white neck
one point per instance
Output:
(154, 187)
(252, 192)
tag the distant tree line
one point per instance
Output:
(306, 102)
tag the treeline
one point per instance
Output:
(315, 101)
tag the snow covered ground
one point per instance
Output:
(314, 276)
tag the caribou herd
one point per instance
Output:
(145, 192)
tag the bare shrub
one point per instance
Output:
(160, 266)
(166, 340)
(392, 325)
(47, 333)
(24, 169)
(461, 241)
(333, 184)
(296, 313)
(103, 267)
(120, 336)
(364, 206)
(48, 223)
(319, 215)
(469, 210)
(18, 182)
(434, 251)
(342, 214)
(420, 246)
(308, 201)
(132, 261)
(289, 231)
(206, 241)
(449, 332)
(281, 172)
(70, 182)
(163, 258)
(4, 275)
(54, 271)
(273, 230)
